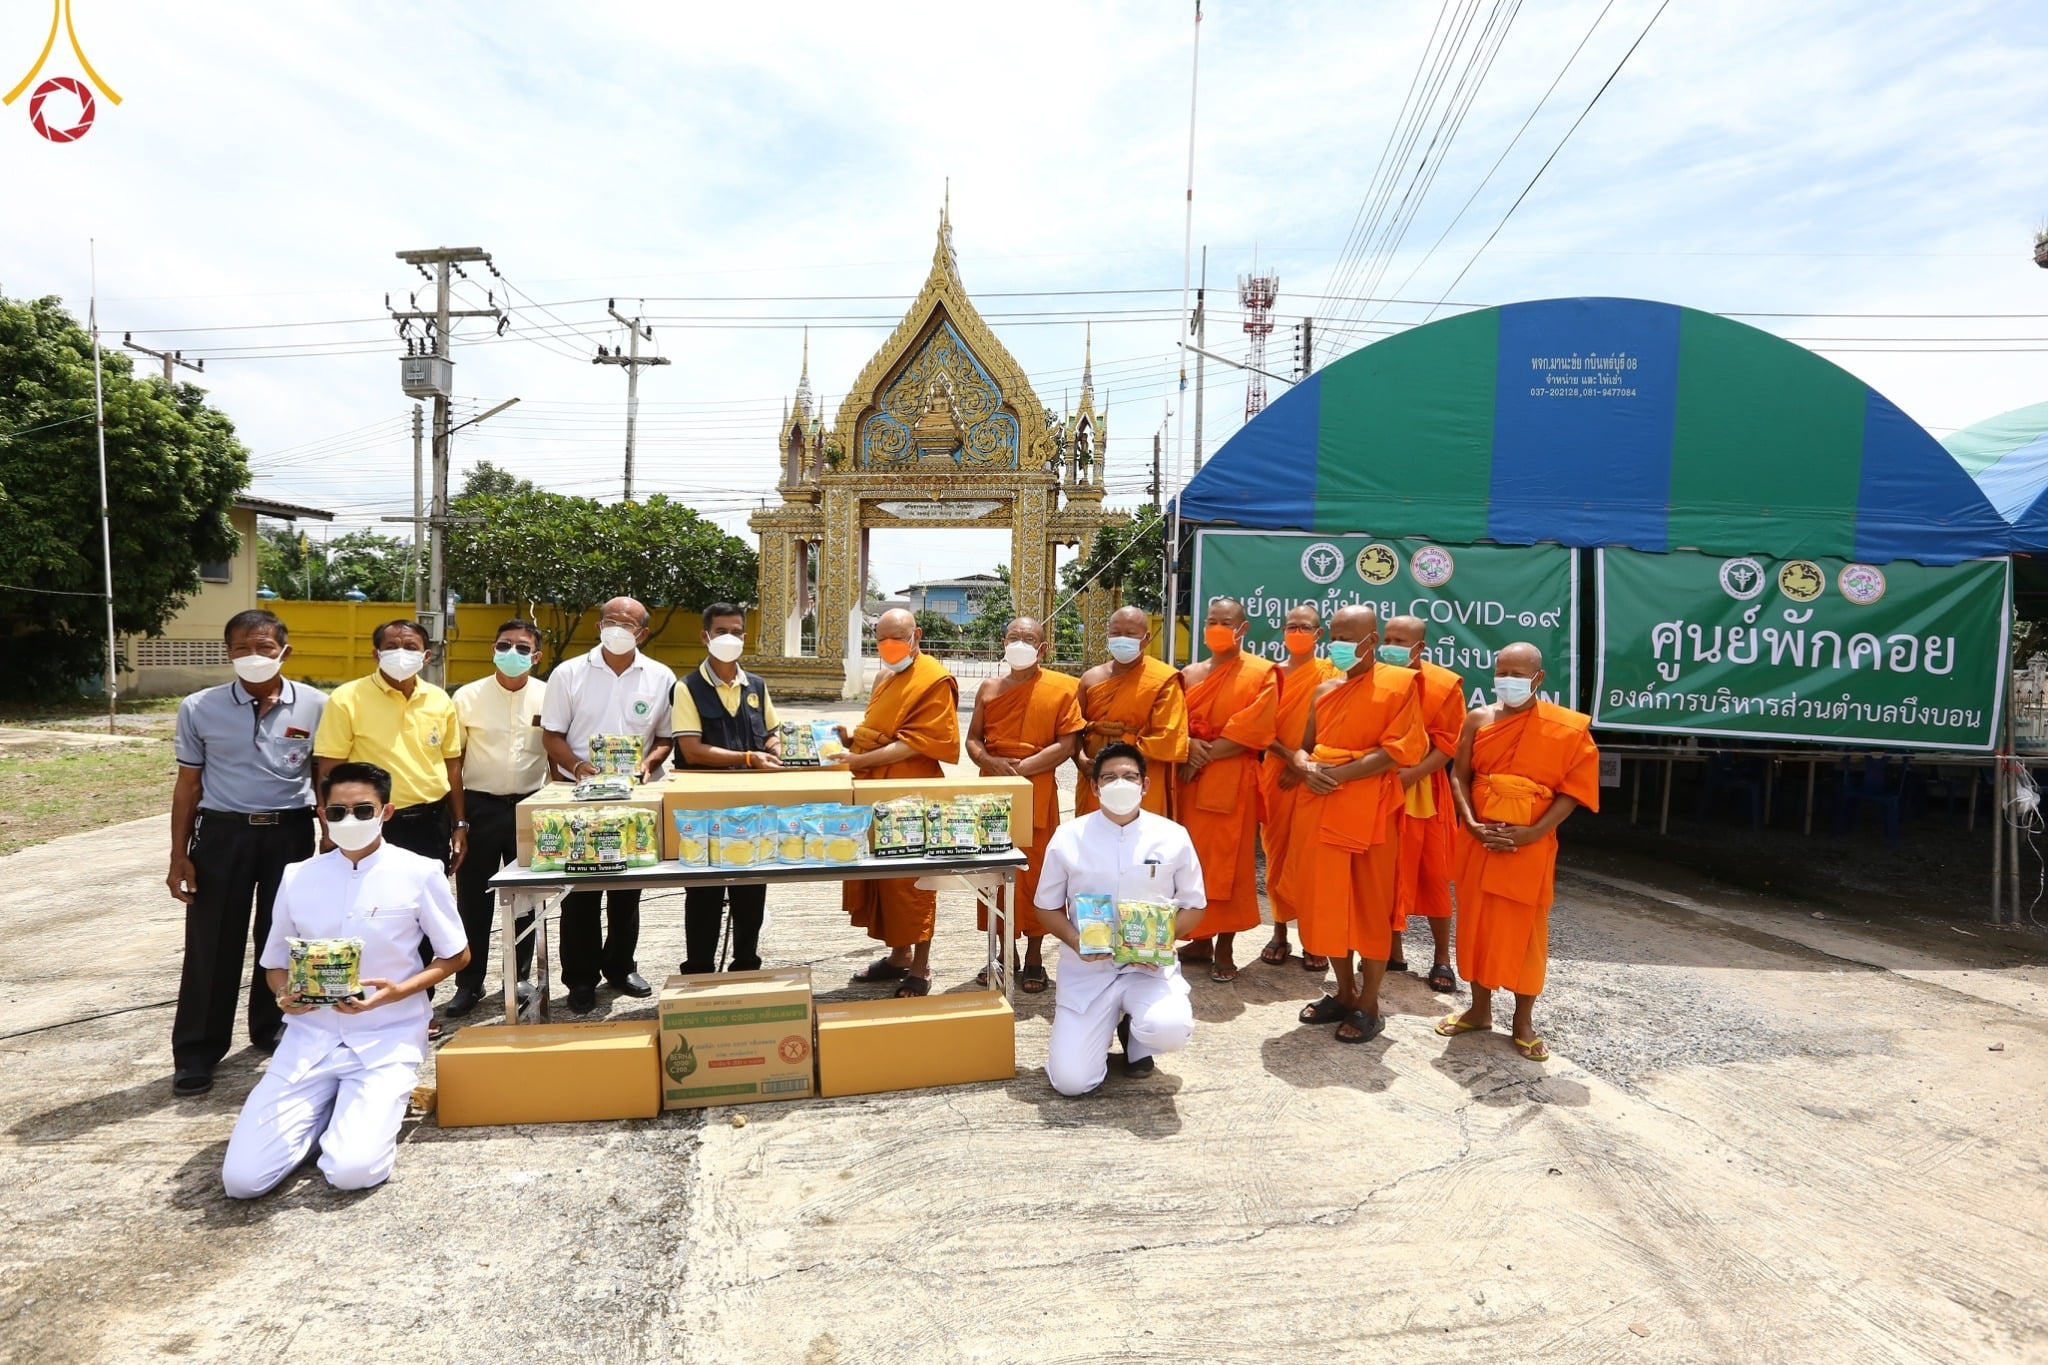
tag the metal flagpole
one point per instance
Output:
(100, 429)
(1180, 445)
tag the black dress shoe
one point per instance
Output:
(583, 999)
(466, 998)
(186, 1084)
(692, 969)
(635, 985)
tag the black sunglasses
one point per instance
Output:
(362, 810)
(512, 646)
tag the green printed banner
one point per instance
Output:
(1476, 598)
(1898, 655)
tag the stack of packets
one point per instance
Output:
(617, 755)
(916, 827)
(582, 839)
(810, 743)
(827, 835)
(603, 789)
(324, 971)
(1129, 931)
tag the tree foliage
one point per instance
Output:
(561, 558)
(379, 567)
(173, 469)
(1126, 559)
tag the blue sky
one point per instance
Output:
(745, 168)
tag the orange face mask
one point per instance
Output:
(1300, 641)
(1219, 639)
(894, 652)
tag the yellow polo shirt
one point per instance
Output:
(412, 738)
(683, 713)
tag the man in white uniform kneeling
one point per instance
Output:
(1127, 854)
(343, 1073)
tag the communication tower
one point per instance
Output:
(1256, 293)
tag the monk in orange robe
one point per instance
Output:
(912, 726)
(1430, 820)
(1280, 789)
(1137, 699)
(1343, 855)
(1233, 699)
(1523, 766)
(1026, 723)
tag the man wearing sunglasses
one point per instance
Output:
(504, 761)
(343, 1072)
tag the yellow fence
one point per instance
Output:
(331, 640)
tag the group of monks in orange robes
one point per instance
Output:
(1371, 788)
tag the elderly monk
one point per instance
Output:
(1524, 764)
(1429, 821)
(912, 726)
(1026, 723)
(1137, 699)
(1233, 700)
(1280, 789)
(1343, 856)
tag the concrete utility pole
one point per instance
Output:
(632, 360)
(419, 512)
(171, 359)
(444, 260)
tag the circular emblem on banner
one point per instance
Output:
(1322, 562)
(86, 109)
(1742, 578)
(1861, 583)
(1801, 580)
(794, 1048)
(1377, 564)
(1432, 566)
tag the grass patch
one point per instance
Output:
(49, 792)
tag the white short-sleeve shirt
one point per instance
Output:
(1150, 859)
(586, 698)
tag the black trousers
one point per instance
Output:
(703, 913)
(493, 842)
(235, 864)
(590, 950)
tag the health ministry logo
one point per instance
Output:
(60, 98)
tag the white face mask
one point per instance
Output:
(726, 648)
(1513, 691)
(1120, 796)
(258, 668)
(1124, 648)
(618, 640)
(1020, 655)
(400, 664)
(352, 835)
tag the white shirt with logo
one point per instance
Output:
(586, 698)
(1150, 859)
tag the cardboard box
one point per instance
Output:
(548, 1073)
(560, 794)
(736, 1037)
(1018, 789)
(867, 1046)
(710, 789)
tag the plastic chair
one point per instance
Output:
(1872, 779)
(1728, 775)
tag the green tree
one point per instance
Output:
(1126, 558)
(173, 469)
(560, 558)
(380, 567)
(487, 480)
(940, 631)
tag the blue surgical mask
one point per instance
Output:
(1513, 691)
(1400, 656)
(1124, 648)
(1344, 654)
(512, 663)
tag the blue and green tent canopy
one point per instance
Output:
(1600, 422)
(2008, 457)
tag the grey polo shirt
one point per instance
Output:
(248, 763)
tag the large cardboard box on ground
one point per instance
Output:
(867, 1046)
(549, 1073)
(736, 1037)
(560, 794)
(1018, 789)
(715, 789)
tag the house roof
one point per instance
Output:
(973, 580)
(285, 511)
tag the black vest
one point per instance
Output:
(746, 732)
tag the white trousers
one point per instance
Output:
(351, 1110)
(1162, 1020)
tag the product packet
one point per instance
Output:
(1095, 923)
(836, 835)
(550, 840)
(324, 971)
(799, 744)
(788, 822)
(736, 837)
(952, 826)
(597, 841)
(602, 789)
(693, 837)
(644, 837)
(995, 823)
(899, 828)
(826, 741)
(617, 755)
(1144, 932)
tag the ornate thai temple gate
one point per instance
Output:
(941, 430)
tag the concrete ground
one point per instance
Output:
(1764, 1136)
